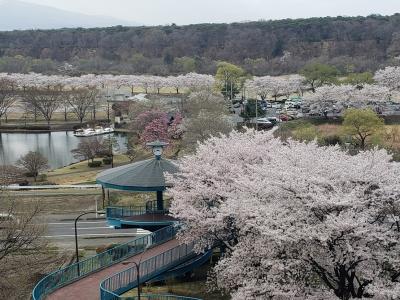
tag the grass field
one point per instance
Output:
(81, 173)
(58, 118)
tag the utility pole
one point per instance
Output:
(256, 115)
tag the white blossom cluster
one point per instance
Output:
(339, 97)
(298, 221)
(190, 80)
(275, 86)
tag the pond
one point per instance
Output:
(56, 146)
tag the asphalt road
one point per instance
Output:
(91, 233)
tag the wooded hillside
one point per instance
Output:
(264, 47)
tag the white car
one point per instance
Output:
(276, 105)
(264, 121)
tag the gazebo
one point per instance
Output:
(143, 176)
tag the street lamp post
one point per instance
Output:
(76, 237)
(137, 265)
(256, 115)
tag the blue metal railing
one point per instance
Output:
(102, 260)
(159, 297)
(119, 212)
(113, 286)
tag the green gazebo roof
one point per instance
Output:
(142, 176)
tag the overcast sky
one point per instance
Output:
(154, 12)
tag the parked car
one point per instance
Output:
(289, 104)
(264, 123)
(285, 118)
(273, 120)
(276, 105)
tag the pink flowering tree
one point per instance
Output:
(157, 126)
(157, 129)
(143, 119)
(297, 221)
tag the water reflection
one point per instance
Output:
(56, 146)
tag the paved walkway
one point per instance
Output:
(88, 288)
(15, 187)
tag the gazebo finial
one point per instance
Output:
(157, 147)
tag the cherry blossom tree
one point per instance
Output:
(297, 221)
(340, 97)
(191, 81)
(275, 86)
(389, 77)
(157, 129)
(162, 128)
(8, 96)
(329, 98)
(143, 119)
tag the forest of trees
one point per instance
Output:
(352, 44)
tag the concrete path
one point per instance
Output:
(52, 187)
(88, 288)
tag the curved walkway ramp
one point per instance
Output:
(158, 254)
(119, 283)
(81, 280)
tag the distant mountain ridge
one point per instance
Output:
(352, 44)
(19, 15)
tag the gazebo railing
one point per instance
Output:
(152, 206)
(100, 261)
(119, 283)
(118, 212)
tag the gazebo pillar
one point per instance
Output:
(160, 202)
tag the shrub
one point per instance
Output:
(94, 164)
(107, 160)
(331, 140)
(42, 178)
(305, 133)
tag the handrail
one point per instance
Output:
(159, 297)
(102, 260)
(113, 286)
(117, 212)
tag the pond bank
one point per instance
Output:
(42, 127)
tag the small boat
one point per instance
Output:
(98, 130)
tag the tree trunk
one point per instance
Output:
(362, 145)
